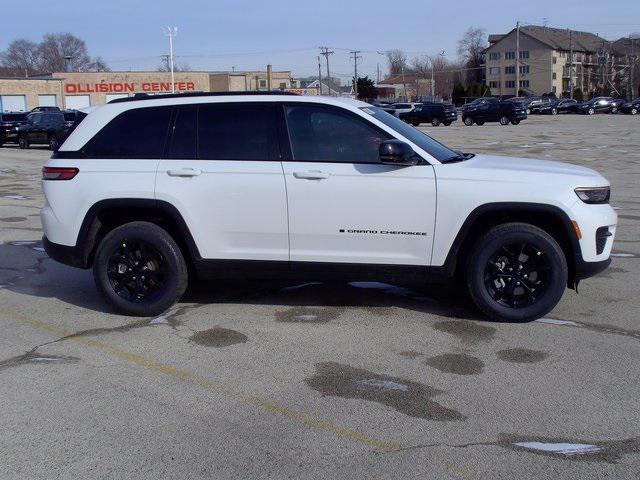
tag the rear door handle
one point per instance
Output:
(184, 172)
(312, 175)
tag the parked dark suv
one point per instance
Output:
(491, 109)
(632, 108)
(43, 128)
(431, 112)
(598, 105)
(9, 123)
(565, 105)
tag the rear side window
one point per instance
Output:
(183, 141)
(137, 133)
(237, 131)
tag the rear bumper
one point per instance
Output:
(71, 256)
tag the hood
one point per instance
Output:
(523, 169)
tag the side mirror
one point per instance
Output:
(396, 152)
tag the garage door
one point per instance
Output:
(113, 96)
(76, 102)
(13, 103)
(47, 100)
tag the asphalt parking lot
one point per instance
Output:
(314, 380)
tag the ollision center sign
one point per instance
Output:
(103, 87)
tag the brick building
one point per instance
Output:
(83, 89)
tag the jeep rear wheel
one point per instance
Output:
(516, 272)
(140, 270)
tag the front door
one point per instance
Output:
(345, 206)
(222, 171)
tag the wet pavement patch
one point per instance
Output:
(522, 355)
(13, 219)
(218, 337)
(456, 363)
(406, 396)
(36, 358)
(467, 331)
(308, 315)
(604, 451)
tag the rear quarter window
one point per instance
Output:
(136, 133)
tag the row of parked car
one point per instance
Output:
(505, 111)
(41, 126)
(555, 106)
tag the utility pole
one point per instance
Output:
(326, 52)
(632, 66)
(570, 63)
(404, 84)
(517, 59)
(356, 57)
(319, 76)
(171, 32)
(377, 73)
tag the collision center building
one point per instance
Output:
(75, 90)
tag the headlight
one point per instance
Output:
(594, 194)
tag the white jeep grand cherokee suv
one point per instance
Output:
(148, 191)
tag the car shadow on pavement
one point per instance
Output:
(26, 269)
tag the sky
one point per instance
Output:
(245, 35)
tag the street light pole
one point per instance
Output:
(172, 32)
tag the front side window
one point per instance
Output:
(136, 133)
(237, 131)
(434, 148)
(321, 134)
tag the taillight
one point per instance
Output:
(59, 173)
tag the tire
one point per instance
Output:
(447, 123)
(53, 143)
(528, 111)
(634, 111)
(515, 121)
(614, 110)
(116, 259)
(467, 121)
(504, 120)
(415, 124)
(591, 111)
(488, 275)
(23, 143)
(480, 122)
(554, 111)
(435, 122)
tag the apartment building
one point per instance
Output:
(545, 61)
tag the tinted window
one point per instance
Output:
(138, 133)
(13, 117)
(428, 144)
(183, 143)
(237, 131)
(320, 134)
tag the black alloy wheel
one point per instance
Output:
(517, 274)
(23, 143)
(504, 120)
(137, 271)
(435, 122)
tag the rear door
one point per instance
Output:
(222, 171)
(344, 205)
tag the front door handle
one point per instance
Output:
(312, 175)
(184, 172)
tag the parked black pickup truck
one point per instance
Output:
(44, 128)
(491, 109)
(9, 123)
(434, 113)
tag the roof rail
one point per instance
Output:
(146, 96)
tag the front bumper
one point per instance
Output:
(590, 269)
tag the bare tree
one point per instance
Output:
(56, 46)
(470, 48)
(397, 61)
(177, 67)
(98, 64)
(20, 58)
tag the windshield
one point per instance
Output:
(422, 140)
(13, 117)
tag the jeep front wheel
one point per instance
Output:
(140, 270)
(516, 272)
(504, 120)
